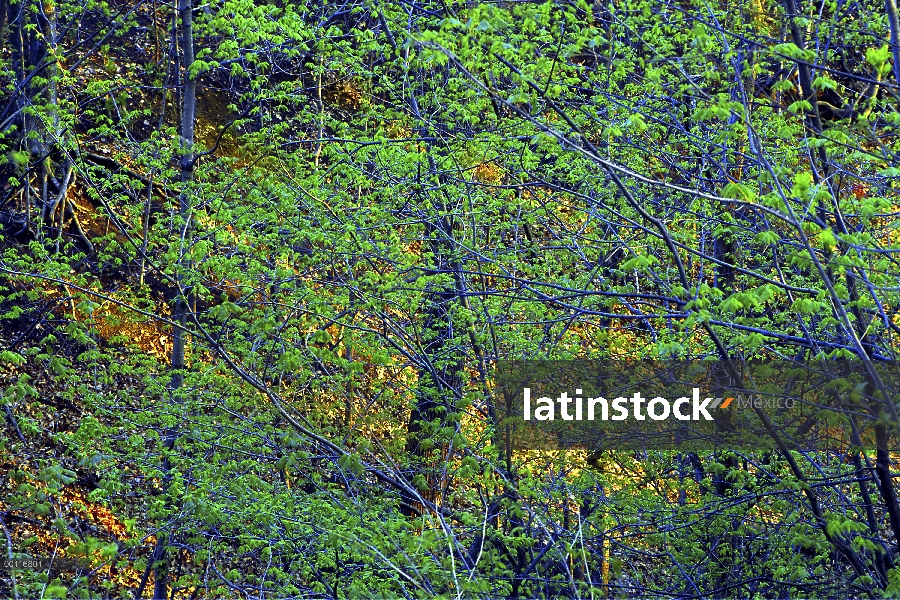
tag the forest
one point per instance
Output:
(261, 262)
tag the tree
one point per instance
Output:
(300, 237)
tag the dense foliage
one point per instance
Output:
(258, 259)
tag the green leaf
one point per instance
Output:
(10, 357)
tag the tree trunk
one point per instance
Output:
(180, 302)
(439, 382)
(890, 7)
